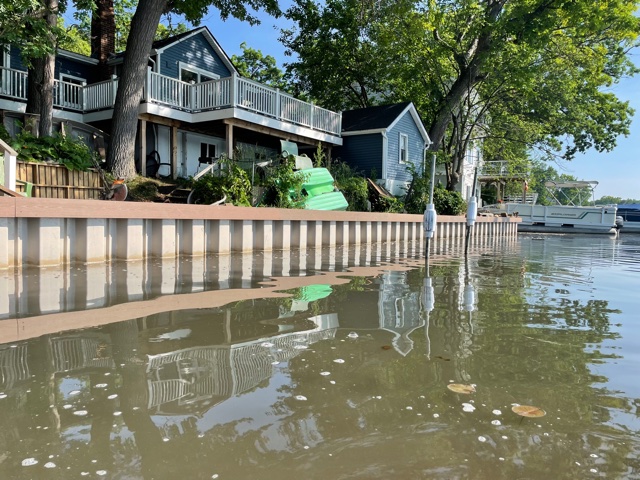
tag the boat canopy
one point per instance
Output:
(577, 184)
(573, 191)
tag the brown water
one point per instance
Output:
(343, 376)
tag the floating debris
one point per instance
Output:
(496, 412)
(49, 465)
(112, 396)
(467, 407)
(28, 462)
(352, 335)
(482, 439)
(302, 398)
(338, 360)
(324, 374)
(528, 411)
(440, 357)
(74, 392)
(496, 422)
(101, 385)
(80, 413)
(461, 388)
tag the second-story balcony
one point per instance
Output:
(229, 92)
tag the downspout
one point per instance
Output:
(385, 148)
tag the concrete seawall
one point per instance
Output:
(48, 232)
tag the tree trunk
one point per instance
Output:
(121, 154)
(41, 78)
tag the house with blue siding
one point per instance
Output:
(195, 105)
(384, 143)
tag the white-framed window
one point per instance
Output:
(189, 73)
(403, 148)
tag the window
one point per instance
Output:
(4, 63)
(207, 150)
(193, 74)
(404, 148)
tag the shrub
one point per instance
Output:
(71, 153)
(283, 187)
(233, 182)
(352, 185)
(448, 203)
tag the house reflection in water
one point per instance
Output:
(192, 378)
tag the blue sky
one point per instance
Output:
(618, 171)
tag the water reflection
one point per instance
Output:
(344, 375)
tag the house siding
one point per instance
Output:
(62, 66)
(363, 153)
(400, 171)
(76, 69)
(195, 51)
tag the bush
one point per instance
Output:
(283, 187)
(233, 182)
(448, 203)
(352, 185)
(60, 149)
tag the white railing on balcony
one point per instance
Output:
(100, 95)
(227, 92)
(13, 83)
(68, 95)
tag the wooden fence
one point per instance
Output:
(57, 181)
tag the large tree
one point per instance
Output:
(531, 72)
(338, 62)
(256, 66)
(131, 83)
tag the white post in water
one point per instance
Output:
(430, 215)
(472, 212)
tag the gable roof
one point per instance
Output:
(159, 46)
(379, 119)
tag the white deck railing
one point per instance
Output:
(226, 92)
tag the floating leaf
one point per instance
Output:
(461, 388)
(528, 411)
(386, 347)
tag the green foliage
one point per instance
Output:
(511, 75)
(416, 200)
(232, 182)
(447, 202)
(283, 187)
(352, 185)
(337, 62)
(256, 66)
(23, 25)
(73, 39)
(73, 154)
(4, 134)
(608, 200)
(319, 158)
(123, 11)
